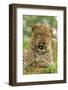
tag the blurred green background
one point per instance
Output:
(28, 20)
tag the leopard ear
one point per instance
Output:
(53, 32)
(33, 27)
(46, 25)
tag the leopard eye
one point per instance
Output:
(39, 33)
(44, 43)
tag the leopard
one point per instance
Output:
(39, 54)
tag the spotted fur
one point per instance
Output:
(35, 56)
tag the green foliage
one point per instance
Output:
(51, 68)
(26, 45)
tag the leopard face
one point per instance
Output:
(41, 41)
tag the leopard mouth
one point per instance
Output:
(43, 51)
(40, 51)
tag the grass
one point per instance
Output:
(25, 45)
(33, 69)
